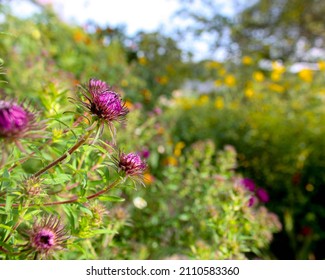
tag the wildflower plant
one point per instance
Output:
(63, 179)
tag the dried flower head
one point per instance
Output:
(98, 212)
(103, 102)
(47, 235)
(33, 187)
(131, 165)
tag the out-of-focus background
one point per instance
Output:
(227, 106)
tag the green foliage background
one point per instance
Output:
(193, 206)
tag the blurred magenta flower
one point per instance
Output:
(157, 111)
(248, 184)
(145, 153)
(262, 195)
(15, 120)
(251, 201)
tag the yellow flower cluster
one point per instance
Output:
(247, 60)
(219, 102)
(277, 71)
(306, 75)
(178, 148)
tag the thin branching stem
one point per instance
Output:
(81, 141)
(73, 199)
(48, 142)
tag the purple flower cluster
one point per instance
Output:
(103, 102)
(259, 193)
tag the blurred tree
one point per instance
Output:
(160, 64)
(279, 29)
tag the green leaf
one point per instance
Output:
(85, 210)
(9, 201)
(5, 179)
(111, 198)
(59, 179)
(5, 227)
(32, 214)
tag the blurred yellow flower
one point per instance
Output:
(36, 34)
(276, 76)
(203, 99)
(160, 130)
(309, 187)
(249, 92)
(142, 60)
(212, 64)
(306, 75)
(172, 161)
(148, 178)
(321, 65)
(230, 80)
(57, 134)
(218, 83)
(79, 36)
(277, 71)
(178, 148)
(219, 103)
(258, 76)
(222, 71)
(277, 67)
(124, 83)
(185, 103)
(277, 88)
(247, 60)
(163, 80)
(129, 105)
(146, 94)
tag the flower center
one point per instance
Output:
(45, 239)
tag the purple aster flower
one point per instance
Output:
(15, 120)
(262, 195)
(131, 165)
(103, 102)
(248, 184)
(47, 235)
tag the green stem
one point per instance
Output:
(20, 219)
(48, 142)
(74, 199)
(81, 141)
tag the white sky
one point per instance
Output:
(147, 15)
